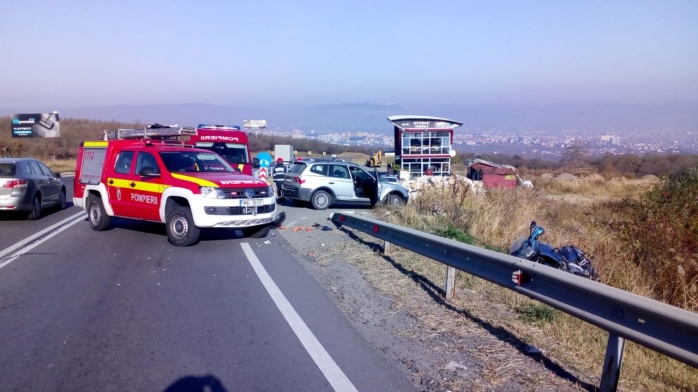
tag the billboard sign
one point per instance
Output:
(254, 124)
(35, 125)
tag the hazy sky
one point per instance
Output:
(60, 53)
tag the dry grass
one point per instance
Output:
(355, 157)
(61, 165)
(595, 186)
(500, 217)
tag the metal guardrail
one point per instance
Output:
(653, 324)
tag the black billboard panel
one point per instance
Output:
(41, 125)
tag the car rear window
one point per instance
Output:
(7, 169)
(297, 168)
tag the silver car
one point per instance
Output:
(30, 186)
(327, 182)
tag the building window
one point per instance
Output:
(426, 143)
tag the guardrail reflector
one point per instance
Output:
(375, 228)
(519, 277)
(341, 218)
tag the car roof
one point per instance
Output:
(323, 160)
(16, 160)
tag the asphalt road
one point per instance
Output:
(14, 227)
(123, 310)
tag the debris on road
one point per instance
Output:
(267, 242)
(455, 366)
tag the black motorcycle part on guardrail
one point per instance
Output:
(653, 324)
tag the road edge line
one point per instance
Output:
(334, 375)
(37, 239)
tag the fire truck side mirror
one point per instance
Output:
(148, 172)
(255, 163)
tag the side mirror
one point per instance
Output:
(148, 172)
(255, 163)
(531, 227)
(57, 175)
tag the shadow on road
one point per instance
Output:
(437, 294)
(208, 383)
(159, 229)
(306, 205)
(22, 215)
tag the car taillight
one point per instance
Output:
(15, 184)
(298, 180)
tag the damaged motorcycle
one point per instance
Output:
(569, 258)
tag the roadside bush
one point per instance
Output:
(661, 231)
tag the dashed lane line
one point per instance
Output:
(334, 375)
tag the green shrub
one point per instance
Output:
(537, 313)
(661, 232)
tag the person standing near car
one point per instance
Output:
(278, 174)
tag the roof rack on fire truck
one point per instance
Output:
(154, 131)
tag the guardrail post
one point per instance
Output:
(450, 289)
(612, 363)
(386, 247)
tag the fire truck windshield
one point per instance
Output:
(231, 152)
(194, 162)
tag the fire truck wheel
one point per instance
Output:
(256, 231)
(99, 220)
(180, 227)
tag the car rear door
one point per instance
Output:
(41, 182)
(53, 183)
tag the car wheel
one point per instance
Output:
(180, 227)
(99, 220)
(321, 200)
(36, 208)
(61, 200)
(256, 231)
(394, 200)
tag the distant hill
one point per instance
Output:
(371, 117)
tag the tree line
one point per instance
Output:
(608, 165)
(75, 131)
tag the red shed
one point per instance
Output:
(491, 174)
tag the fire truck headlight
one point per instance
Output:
(212, 193)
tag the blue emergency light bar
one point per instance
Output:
(222, 127)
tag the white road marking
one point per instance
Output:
(322, 359)
(37, 239)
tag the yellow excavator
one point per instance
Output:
(375, 160)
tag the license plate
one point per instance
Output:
(252, 203)
(249, 210)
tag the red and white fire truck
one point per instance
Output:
(227, 141)
(134, 175)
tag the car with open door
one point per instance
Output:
(323, 183)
